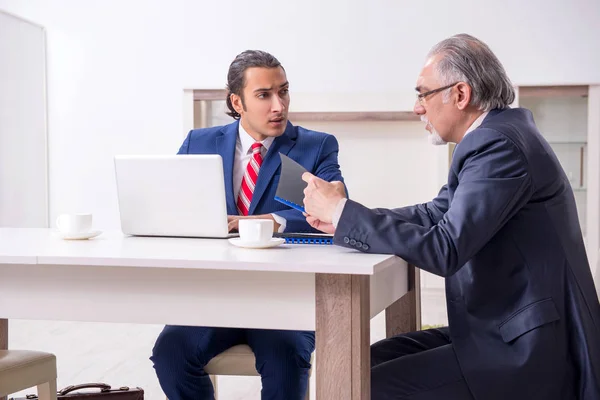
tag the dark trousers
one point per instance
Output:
(282, 359)
(417, 366)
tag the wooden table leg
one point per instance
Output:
(3, 338)
(404, 315)
(343, 337)
(3, 334)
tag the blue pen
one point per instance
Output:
(290, 204)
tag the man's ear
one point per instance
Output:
(464, 95)
(236, 102)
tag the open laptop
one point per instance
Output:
(174, 195)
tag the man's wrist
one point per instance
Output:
(337, 213)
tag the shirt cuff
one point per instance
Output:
(281, 221)
(337, 214)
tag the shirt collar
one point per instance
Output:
(475, 123)
(247, 141)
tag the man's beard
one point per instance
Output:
(433, 137)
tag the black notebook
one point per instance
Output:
(290, 190)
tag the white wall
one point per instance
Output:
(116, 71)
(378, 46)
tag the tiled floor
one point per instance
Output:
(118, 353)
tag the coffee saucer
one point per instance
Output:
(77, 236)
(257, 245)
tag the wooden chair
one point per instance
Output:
(236, 361)
(22, 369)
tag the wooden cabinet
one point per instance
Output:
(561, 115)
(569, 118)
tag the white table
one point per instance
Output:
(116, 278)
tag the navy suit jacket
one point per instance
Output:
(315, 151)
(524, 317)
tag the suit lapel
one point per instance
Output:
(226, 148)
(282, 144)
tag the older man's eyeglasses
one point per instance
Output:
(421, 96)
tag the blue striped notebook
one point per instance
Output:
(306, 238)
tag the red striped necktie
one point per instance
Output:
(249, 180)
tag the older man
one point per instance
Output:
(524, 319)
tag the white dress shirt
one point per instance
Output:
(337, 214)
(476, 123)
(243, 153)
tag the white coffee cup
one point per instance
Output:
(255, 230)
(74, 223)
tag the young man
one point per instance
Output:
(523, 313)
(258, 99)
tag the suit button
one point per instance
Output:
(352, 242)
(359, 244)
(365, 246)
(346, 240)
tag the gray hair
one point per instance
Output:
(467, 59)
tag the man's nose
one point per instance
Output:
(277, 104)
(418, 108)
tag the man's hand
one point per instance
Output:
(319, 225)
(233, 220)
(320, 200)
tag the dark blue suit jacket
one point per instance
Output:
(524, 317)
(315, 151)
